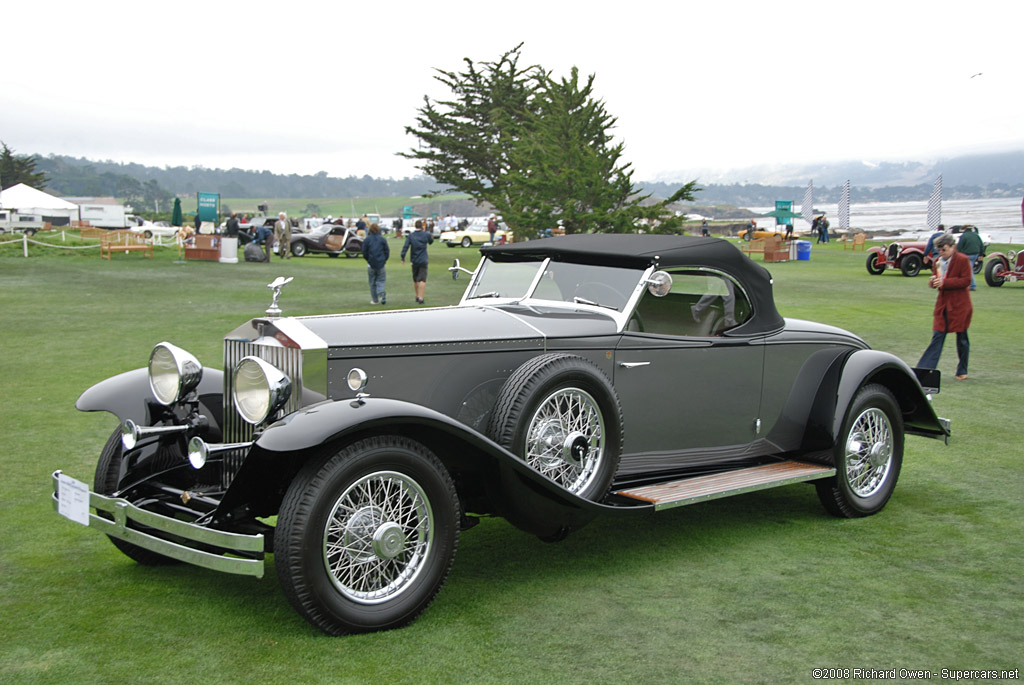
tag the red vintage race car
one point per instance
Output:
(1004, 267)
(909, 258)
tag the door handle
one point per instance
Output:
(631, 365)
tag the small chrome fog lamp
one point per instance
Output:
(197, 453)
(357, 380)
(173, 373)
(260, 389)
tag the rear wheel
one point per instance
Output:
(867, 457)
(911, 265)
(994, 272)
(874, 268)
(366, 537)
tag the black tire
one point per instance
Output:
(867, 456)
(910, 265)
(530, 419)
(30, 232)
(993, 272)
(299, 249)
(748, 235)
(148, 235)
(334, 255)
(873, 266)
(108, 470)
(467, 241)
(345, 563)
(979, 264)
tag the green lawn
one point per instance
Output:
(759, 588)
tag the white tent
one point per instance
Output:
(26, 201)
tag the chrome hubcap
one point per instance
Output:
(378, 537)
(565, 440)
(869, 451)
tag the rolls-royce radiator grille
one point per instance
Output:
(235, 429)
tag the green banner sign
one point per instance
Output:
(208, 206)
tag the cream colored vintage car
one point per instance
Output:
(474, 236)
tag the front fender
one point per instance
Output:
(875, 366)
(1001, 256)
(128, 396)
(528, 499)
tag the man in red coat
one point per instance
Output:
(951, 277)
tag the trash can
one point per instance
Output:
(228, 250)
(792, 250)
(803, 250)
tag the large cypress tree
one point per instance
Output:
(15, 169)
(538, 149)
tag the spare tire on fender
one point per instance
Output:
(560, 414)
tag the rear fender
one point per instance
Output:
(513, 490)
(874, 366)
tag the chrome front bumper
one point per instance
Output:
(251, 547)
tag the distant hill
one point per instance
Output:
(971, 176)
(981, 170)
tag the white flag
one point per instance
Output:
(807, 208)
(935, 205)
(844, 206)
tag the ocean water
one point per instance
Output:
(1000, 218)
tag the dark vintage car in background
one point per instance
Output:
(579, 376)
(329, 239)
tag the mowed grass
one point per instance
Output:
(757, 588)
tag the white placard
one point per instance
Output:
(73, 499)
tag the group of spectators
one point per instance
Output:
(376, 251)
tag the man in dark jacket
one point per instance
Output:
(953, 309)
(418, 241)
(376, 252)
(971, 245)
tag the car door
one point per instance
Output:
(335, 240)
(689, 394)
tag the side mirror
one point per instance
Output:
(659, 284)
(455, 268)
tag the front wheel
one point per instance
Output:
(867, 457)
(911, 265)
(299, 249)
(105, 482)
(366, 537)
(874, 268)
(994, 272)
(467, 241)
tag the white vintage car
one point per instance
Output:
(474, 236)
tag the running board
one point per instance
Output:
(678, 493)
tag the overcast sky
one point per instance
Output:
(300, 87)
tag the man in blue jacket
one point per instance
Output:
(376, 252)
(417, 241)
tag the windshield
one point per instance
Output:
(600, 286)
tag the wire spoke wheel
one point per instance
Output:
(869, 451)
(377, 537)
(565, 440)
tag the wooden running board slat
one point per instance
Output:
(702, 488)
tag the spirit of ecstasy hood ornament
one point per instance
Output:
(280, 282)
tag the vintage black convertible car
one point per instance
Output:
(579, 376)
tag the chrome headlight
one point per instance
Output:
(173, 373)
(259, 389)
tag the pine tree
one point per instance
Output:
(15, 169)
